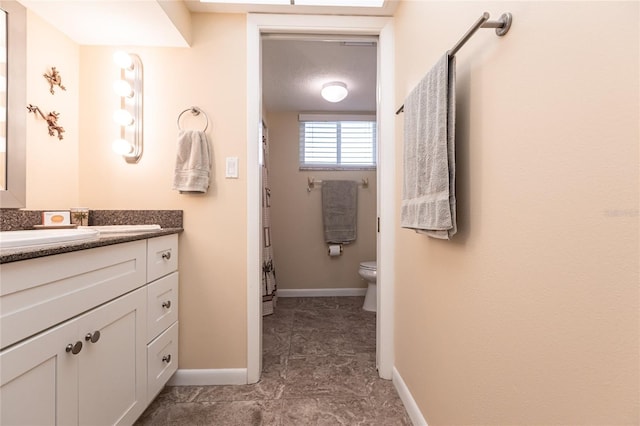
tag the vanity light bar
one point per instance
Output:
(129, 117)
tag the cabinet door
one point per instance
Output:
(38, 379)
(112, 370)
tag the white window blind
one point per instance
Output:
(337, 145)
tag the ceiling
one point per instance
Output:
(293, 70)
(164, 23)
(116, 22)
(387, 8)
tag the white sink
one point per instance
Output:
(123, 229)
(44, 237)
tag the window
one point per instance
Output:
(338, 144)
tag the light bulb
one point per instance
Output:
(123, 60)
(123, 117)
(122, 147)
(334, 91)
(122, 88)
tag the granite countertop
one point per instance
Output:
(14, 255)
(13, 220)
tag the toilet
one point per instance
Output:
(368, 272)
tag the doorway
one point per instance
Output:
(257, 25)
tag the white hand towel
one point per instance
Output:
(193, 162)
(429, 201)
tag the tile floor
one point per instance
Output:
(318, 369)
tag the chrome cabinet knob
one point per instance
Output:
(92, 337)
(166, 255)
(166, 304)
(74, 348)
(166, 358)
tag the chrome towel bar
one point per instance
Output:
(312, 182)
(502, 27)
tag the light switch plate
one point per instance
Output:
(231, 170)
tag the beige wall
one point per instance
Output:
(210, 75)
(530, 314)
(300, 253)
(52, 164)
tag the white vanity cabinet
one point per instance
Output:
(111, 371)
(39, 380)
(45, 383)
(162, 325)
(75, 335)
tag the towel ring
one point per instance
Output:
(195, 111)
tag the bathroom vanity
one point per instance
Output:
(88, 336)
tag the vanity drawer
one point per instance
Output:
(39, 293)
(162, 360)
(162, 256)
(162, 305)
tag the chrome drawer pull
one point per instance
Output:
(92, 337)
(166, 358)
(74, 348)
(166, 255)
(166, 304)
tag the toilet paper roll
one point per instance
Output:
(335, 250)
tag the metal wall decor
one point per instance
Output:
(55, 79)
(51, 119)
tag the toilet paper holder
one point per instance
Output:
(334, 250)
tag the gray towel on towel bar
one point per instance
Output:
(429, 200)
(339, 210)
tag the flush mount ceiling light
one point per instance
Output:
(334, 91)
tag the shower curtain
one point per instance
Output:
(269, 286)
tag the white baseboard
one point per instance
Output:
(209, 377)
(321, 292)
(407, 399)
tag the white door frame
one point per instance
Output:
(258, 24)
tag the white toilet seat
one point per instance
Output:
(370, 265)
(368, 271)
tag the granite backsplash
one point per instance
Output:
(15, 220)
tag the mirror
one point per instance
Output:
(13, 102)
(3, 99)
